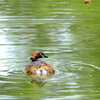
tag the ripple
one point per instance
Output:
(81, 65)
(74, 97)
(54, 27)
(7, 97)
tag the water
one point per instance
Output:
(67, 31)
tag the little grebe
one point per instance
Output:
(38, 67)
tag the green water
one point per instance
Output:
(67, 31)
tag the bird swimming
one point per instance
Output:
(37, 66)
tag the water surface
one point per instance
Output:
(67, 31)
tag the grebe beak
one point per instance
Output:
(43, 55)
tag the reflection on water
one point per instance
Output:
(67, 32)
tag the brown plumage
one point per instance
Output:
(38, 67)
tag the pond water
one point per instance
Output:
(67, 31)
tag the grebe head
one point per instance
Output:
(37, 55)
